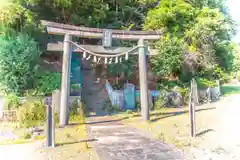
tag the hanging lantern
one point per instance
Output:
(116, 60)
(84, 54)
(126, 56)
(95, 59)
(106, 60)
(88, 57)
(99, 59)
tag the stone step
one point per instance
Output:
(94, 94)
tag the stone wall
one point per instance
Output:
(57, 100)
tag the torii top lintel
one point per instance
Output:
(62, 29)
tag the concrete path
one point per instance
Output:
(115, 141)
(28, 151)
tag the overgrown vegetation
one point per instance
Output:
(32, 114)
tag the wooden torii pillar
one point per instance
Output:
(69, 30)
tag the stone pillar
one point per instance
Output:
(56, 100)
(143, 81)
(65, 87)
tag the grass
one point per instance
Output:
(22, 140)
(230, 89)
(172, 125)
(72, 143)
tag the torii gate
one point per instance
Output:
(98, 52)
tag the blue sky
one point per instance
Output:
(234, 6)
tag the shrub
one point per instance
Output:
(225, 78)
(114, 108)
(12, 101)
(27, 135)
(18, 62)
(205, 83)
(32, 114)
(162, 100)
(129, 111)
(184, 92)
(74, 108)
(75, 88)
(138, 105)
(47, 82)
(56, 118)
(76, 111)
(117, 86)
(175, 97)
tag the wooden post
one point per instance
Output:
(143, 81)
(192, 110)
(65, 87)
(195, 86)
(209, 95)
(49, 123)
(219, 87)
(53, 120)
(192, 118)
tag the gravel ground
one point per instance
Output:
(223, 143)
(28, 151)
(6, 134)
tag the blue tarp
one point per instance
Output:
(155, 93)
(129, 96)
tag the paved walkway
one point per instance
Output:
(115, 141)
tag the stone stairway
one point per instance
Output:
(94, 94)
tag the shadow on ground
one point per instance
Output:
(171, 114)
(204, 132)
(159, 116)
(81, 141)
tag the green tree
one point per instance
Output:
(204, 29)
(168, 62)
(93, 13)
